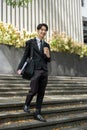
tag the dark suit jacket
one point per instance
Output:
(40, 59)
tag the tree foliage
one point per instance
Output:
(18, 3)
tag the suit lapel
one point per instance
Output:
(35, 44)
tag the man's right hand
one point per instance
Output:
(19, 72)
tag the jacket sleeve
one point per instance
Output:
(25, 55)
(45, 57)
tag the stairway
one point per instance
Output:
(64, 106)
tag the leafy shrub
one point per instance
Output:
(12, 36)
(63, 43)
(59, 42)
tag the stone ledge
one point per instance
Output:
(62, 64)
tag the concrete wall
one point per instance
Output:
(62, 64)
(61, 15)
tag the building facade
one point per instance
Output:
(84, 18)
(61, 15)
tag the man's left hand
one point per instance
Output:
(46, 52)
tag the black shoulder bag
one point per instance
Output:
(28, 67)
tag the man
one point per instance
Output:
(41, 55)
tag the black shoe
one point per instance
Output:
(26, 108)
(39, 117)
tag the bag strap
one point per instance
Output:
(31, 53)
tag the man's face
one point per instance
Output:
(42, 32)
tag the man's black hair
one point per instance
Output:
(42, 24)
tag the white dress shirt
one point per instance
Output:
(39, 42)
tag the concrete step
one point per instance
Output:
(12, 91)
(67, 82)
(15, 89)
(76, 128)
(59, 98)
(49, 109)
(65, 102)
(50, 104)
(49, 81)
(5, 77)
(66, 113)
(16, 103)
(52, 121)
(50, 92)
(47, 112)
(49, 85)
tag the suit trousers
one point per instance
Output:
(37, 86)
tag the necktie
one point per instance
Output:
(40, 45)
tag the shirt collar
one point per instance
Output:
(38, 39)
